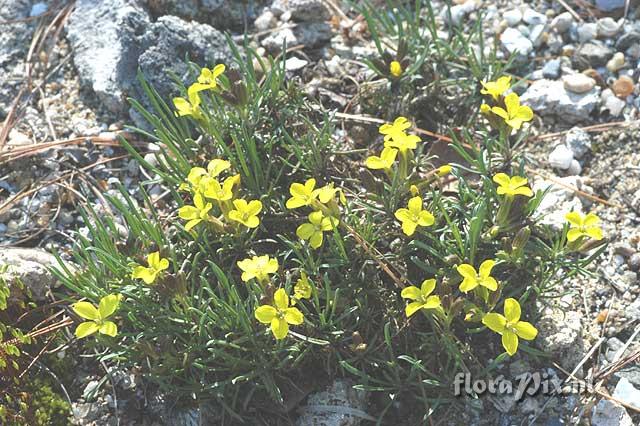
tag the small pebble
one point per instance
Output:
(562, 22)
(587, 32)
(561, 157)
(512, 17)
(634, 262)
(607, 27)
(532, 17)
(578, 83)
(616, 62)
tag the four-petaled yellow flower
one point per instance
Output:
(97, 316)
(196, 213)
(208, 79)
(496, 88)
(511, 186)
(403, 142)
(258, 267)
(156, 266)
(510, 326)
(218, 192)
(246, 213)
(473, 279)
(302, 289)
(385, 161)
(302, 195)
(312, 231)
(421, 297)
(279, 315)
(395, 69)
(214, 168)
(583, 226)
(397, 128)
(414, 216)
(190, 106)
(515, 113)
(328, 193)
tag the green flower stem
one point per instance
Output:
(503, 210)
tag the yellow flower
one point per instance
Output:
(496, 88)
(190, 106)
(302, 195)
(246, 213)
(328, 192)
(444, 170)
(258, 267)
(384, 162)
(208, 79)
(279, 315)
(515, 114)
(402, 141)
(583, 226)
(156, 266)
(196, 213)
(512, 186)
(97, 317)
(302, 289)
(313, 230)
(395, 69)
(473, 279)
(218, 192)
(390, 130)
(510, 326)
(414, 216)
(421, 297)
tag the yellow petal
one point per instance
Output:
(468, 284)
(146, 274)
(495, 322)
(188, 212)
(595, 233)
(108, 305)
(293, 316)
(375, 163)
(409, 227)
(574, 234)
(490, 283)
(512, 102)
(510, 342)
(411, 292)
(502, 179)
(316, 239)
(511, 310)
(591, 220)
(432, 302)
(279, 328)
(86, 310)
(265, 314)
(281, 299)
(108, 328)
(427, 287)
(525, 190)
(526, 331)
(486, 267)
(403, 215)
(467, 271)
(500, 112)
(425, 218)
(412, 308)
(574, 218)
(189, 225)
(305, 231)
(85, 329)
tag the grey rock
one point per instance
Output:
(551, 69)
(630, 373)
(562, 22)
(578, 141)
(627, 393)
(561, 157)
(614, 105)
(339, 404)
(302, 10)
(458, 12)
(609, 413)
(265, 21)
(108, 60)
(532, 17)
(627, 40)
(31, 267)
(38, 9)
(634, 262)
(578, 83)
(513, 17)
(592, 55)
(221, 14)
(14, 45)
(548, 97)
(574, 168)
(607, 27)
(311, 35)
(515, 42)
(587, 32)
(609, 5)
